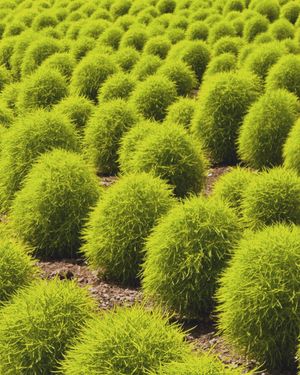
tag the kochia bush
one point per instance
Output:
(291, 152)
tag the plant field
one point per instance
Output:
(149, 187)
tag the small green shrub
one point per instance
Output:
(220, 30)
(6, 50)
(77, 108)
(43, 20)
(185, 254)
(181, 112)
(228, 44)
(266, 127)
(118, 86)
(111, 37)
(5, 77)
(197, 30)
(63, 62)
(146, 66)
(259, 296)
(166, 6)
(285, 74)
(282, 29)
(80, 47)
(234, 5)
(268, 8)
(42, 89)
(158, 46)
(223, 103)
(104, 131)
(181, 74)
(50, 209)
(6, 115)
(152, 97)
(204, 364)
(120, 8)
(136, 37)
(126, 58)
(272, 197)
(127, 341)
(39, 324)
(254, 26)
(90, 74)
(93, 28)
(114, 242)
(291, 148)
(230, 187)
(291, 11)
(226, 62)
(172, 154)
(175, 35)
(17, 268)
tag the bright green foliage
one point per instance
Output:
(197, 30)
(126, 341)
(17, 268)
(130, 141)
(153, 97)
(263, 57)
(223, 103)
(63, 62)
(282, 29)
(259, 310)
(42, 89)
(234, 5)
(181, 74)
(181, 112)
(291, 151)
(81, 47)
(93, 28)
(77, 108)
(146, 66)
(266, 127)
(126, 58)
(135, 37)
(268, 8)
(175, 35)
(185, 254)
(90, 74)
(172, 154)
(114, 241)
(117, 86)
(158, 46)
(6, 115)
(51, 208)
(254, 26)
(120, 7)
(104, 131)
(285, 74)
(272, 197)
(231, 186)
(204, 364)
(29, 137)
(39, 324)
(219, 30)
(291, 11)
(166, 6)
(220, 64)
(38, 51)
(43, 20)
(5, 77)
(228, 44)
(111, 37)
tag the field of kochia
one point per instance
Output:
(155, 96)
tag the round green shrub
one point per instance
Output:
(90, 74)
(291, 150)
(130, 140)
(135, 37)
(175, 35)
(51, 208)
(111, 37)
(43, 20)
(180, 74)
(254, 26)
(5, 77)
(228, 44)
(7, 46)
(146, 66)
(204, 364)
(81, 47)
(230, 187)
(6, 115)
(63, 62)
(29, 137)
(186, 253)
(9, 97)
(39, 324)
(127, 341)
(272, 197)
(13, 29)
(220, 64)
(17, 268)
(103, 133)
(166, 6)
(234, 5)
(172, 154)
(77, 108)
(197, 30)
(282, 29)
(114, 241)
(268, 8)
(259, 296)
(292, 46)
(38, 51)
(118, 86)
(263, 38)
(126, 58)
(119, 8)
(223, 103)
(158, 46)
(152, 97)
(291, 11)
(285, 74)
(263, 57)
(181, 112)
(42, 89)
(219, 30)
(93, 28)
(266, 127)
